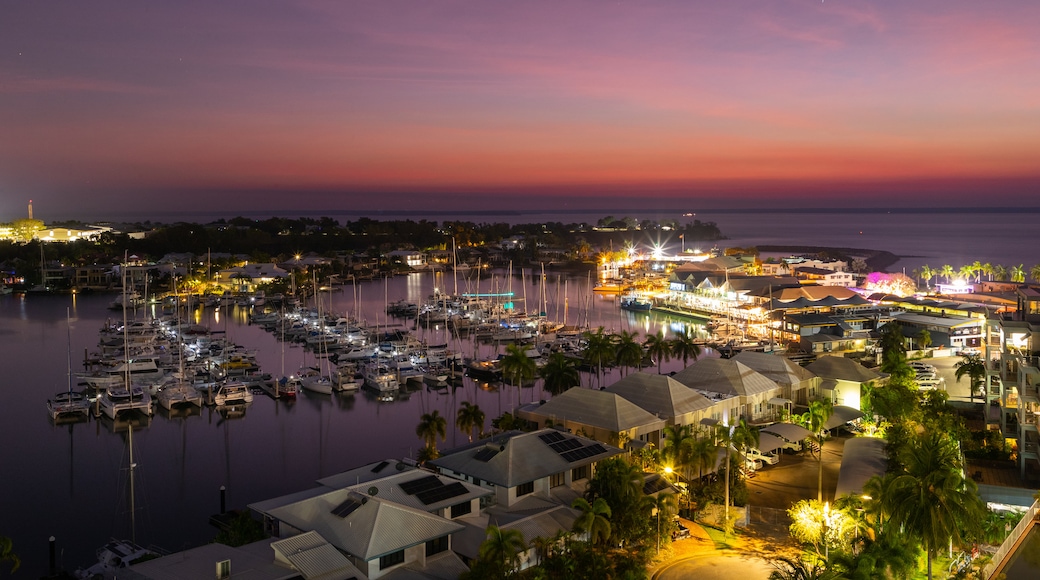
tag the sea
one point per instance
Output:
(71, 481)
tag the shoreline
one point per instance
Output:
(878, 260)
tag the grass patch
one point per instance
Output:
(719, 538)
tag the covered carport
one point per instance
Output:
(862, 458)
(840, 415)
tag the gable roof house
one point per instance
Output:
(517, 465)
(843, 378)
(600, 415)
(664, 397)
(737, 389)
(798, 384)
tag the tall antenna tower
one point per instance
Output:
(30, 209)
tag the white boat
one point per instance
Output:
(232, 393)
(68, 403)
(318, 384)
(380, 377)
(436, 374)
(117, 400)
(179, 395)
(114, 558)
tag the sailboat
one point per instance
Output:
(68, 403)
(117, 399)
(118, 555)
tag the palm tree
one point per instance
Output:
(974, 367)
(502, 548)
(724, 436)
(517, 367)
(1000, 273)
(628, 353)
(678, 447)
(594, 518)
(819, 411)
(685, 348)
(927, 273)
(976, 269)
(947, 272)
(666, 504)
(1018, 274)
(703, 454)
(791, 569)
(658, 348)
(431, 426)
(967, 272)
(7, 554)
(987, 269)
(1034, 272)
(745, 436)
(470, 419)
(599, 350)
(559, 373)
(931, 500)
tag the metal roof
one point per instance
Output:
(660, 394)
(768, 442)
(603, 409)
(724, 376)
(374, 529)
(841, 368)
(841, 414)
(519, 458)
(776, 368)
(315, 558)
(788, 431)
(862, 458)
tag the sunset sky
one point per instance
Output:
(519, 103)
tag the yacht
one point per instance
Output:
(232, 393)
(118, 400)
(68, 404)
(178, 395)
(380, 377)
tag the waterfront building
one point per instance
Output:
(737, 390)
(545, 465)
(1012, 380)
(798, 384)
(664, 397)
(246, 277)
(601, 415)
(390, 515)
(842, 379)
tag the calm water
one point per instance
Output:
(70, 480)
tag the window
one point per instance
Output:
(579, 473)
(437, 546)
(223, 569)
(524, 488)
(461, 509)
(391, 560)
(556, 480)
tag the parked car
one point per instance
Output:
(930, 384)
(681, 532)
(766, 458)
(793, 446)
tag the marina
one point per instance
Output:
(186, 451)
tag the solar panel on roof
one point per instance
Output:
(485, 454)
(552, 437)
(565, 445)
(570, 456)
(422, 484)
(441, 493)
(346, 508)
(596, 449)
(380, 467)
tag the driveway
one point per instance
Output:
(717, 566)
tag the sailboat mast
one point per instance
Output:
(68, 328)
(455, 264)
(133, 506)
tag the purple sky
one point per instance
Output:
(169, 105)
